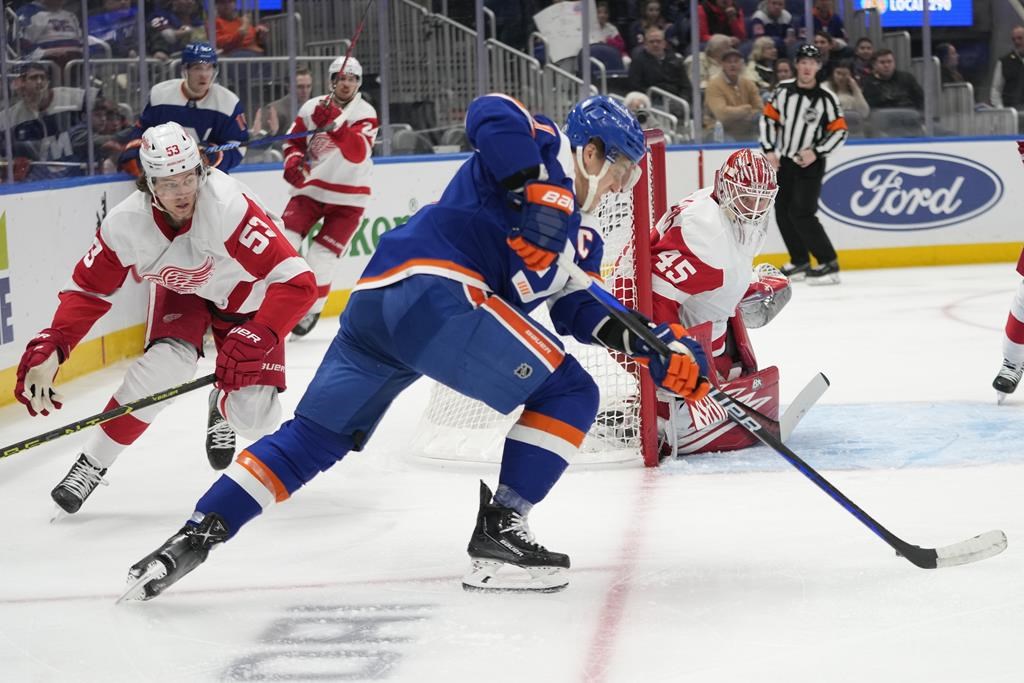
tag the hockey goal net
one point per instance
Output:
(454, 427)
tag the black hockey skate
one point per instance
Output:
(220, 437)
(180, 554)
(1007, 380)
(502, 539)
(825, 274)
(306, 325)
(795, 273)
(79, 483)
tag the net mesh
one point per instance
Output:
(455, 427)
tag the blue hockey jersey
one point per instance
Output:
(217, 119)
(463, 236)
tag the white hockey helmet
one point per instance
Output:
(167, 150)
(351, 66)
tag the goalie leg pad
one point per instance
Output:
(703, 427)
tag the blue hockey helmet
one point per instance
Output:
(603, 118)
(198, 53)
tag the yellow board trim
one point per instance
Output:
(903, 257)
(98, 353)
(87, 357)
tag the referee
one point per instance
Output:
(802, 124)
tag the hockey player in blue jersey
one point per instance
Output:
(211, 113)
(447, 296)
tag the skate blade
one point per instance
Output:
(59, 513)
(1000, 398)
(823, 280)
(136, 589)
(484, 577)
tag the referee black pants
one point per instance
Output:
(796, 212)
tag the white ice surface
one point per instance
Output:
(714, 568)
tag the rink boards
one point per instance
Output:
(898, 203)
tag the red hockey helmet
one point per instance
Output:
(745, 187)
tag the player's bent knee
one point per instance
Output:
(253, 411)
(166, 363)
(570, 381)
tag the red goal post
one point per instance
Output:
(456, 428)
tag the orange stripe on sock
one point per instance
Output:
(264, 474)
(551, 425)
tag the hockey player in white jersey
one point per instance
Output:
(702, 259)
(1010, 372)
(329, 174)
(216, 258)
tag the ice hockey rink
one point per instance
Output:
(729, 567)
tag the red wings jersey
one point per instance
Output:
(340, 161)
(231, 253)
(700, 271)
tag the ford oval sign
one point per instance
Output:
(909, 191)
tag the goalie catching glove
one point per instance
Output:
(682, 372)
(544, 224)
(36, 372)
(240, 359)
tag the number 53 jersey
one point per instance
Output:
(232, 253)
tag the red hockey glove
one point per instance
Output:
(36, 372)
(680, 373)
(240, 359)
(325, 112)
(295, 170)
(544, 224)
(1020, 149)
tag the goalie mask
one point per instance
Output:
(745, 188)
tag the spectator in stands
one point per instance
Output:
(237, 36)
(761, 66)
(888, 88)
(116, 26)
(825, 19)
(862, 54)
(831, 54)
(107, 123)
(710, 59)
(40, 123)
(783, 70)
(844, 86)
(773, 20)
(657, 65)
(609, 33)
(721, 17)
(276, 117)
(47, 31)
(171, 29)
(733, 99)
(1008, 79)
(949, 63)
(651, 18)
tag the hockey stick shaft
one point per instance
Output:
(974, 549)
(268, 140)
(108, 415)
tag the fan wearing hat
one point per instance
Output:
(733, 99)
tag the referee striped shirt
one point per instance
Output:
(797, 118)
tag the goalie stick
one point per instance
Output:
(108, 415)
(973, 549)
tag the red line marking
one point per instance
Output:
(599, 654)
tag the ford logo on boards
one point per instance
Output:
(909, 191)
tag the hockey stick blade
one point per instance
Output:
(803, 402)
(972, 550)
(980, 547)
